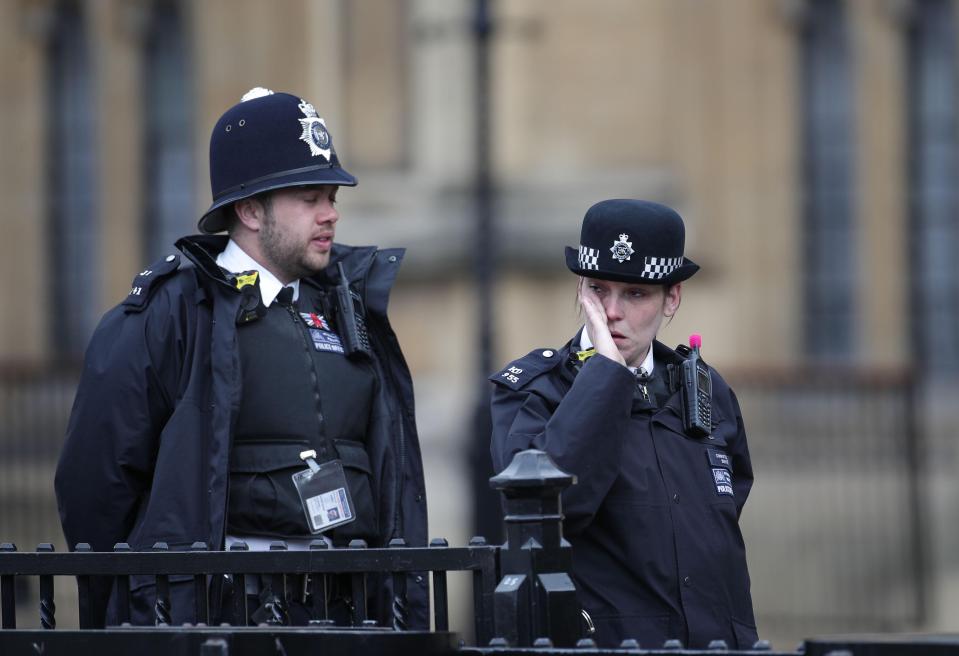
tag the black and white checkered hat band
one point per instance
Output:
(588, 258)
(659, 267)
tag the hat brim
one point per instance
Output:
(216, 219)
(685, 271)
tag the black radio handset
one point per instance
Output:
(350, 319)
(696, 391)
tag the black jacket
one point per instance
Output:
(146, 455)
(653, 521)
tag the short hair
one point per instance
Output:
(264, 198)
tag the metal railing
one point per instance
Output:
(278, 565)
(525, 601)
(535, 597)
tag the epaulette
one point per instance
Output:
(147, 280)
(521, 371)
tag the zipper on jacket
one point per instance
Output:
(326, 452)
(394, 400)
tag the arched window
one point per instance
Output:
(71, 186)
(828, 262)
(934, 171)
(168, 136)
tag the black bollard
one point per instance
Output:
(536, 597)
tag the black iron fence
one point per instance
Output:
(278, 565)
(524, 597)
(523, 594)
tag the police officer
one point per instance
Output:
(265, 355)
(653, 520)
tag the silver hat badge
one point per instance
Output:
(622, 248)
(314, 131)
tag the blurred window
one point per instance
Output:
(828, 261)
(376, 82)
(168, 136)
(932, 107)
(72, 183)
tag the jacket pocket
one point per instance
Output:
(263, 499)
(359, 478)
(671, 418)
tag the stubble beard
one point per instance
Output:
(289, 257)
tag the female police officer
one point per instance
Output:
(653, 520)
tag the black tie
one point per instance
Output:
(285, 297)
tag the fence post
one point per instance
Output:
(84, 600)
(48, 608)
(8, 599)
(535, 597)
(319, 583)
(400, 605)
(241, 615)
(122, 585)
(201, 608)
(358, 579)
(441, 611)
(161, 608)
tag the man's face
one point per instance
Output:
(634, 313)
(296, 234)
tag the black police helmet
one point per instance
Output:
(634, 241)
(268, 141)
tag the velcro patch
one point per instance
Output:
(719, 459)
(314, 320)
(724, 482)
(325, 340)
(147, 280)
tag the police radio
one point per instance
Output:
(696, 390)
(350, 319)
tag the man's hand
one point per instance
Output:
(596, 323)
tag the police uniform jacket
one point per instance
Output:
(147, 450)
(653, 519)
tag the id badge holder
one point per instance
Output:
(324, 494)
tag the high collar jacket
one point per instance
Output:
(147, 450)
(653, 519)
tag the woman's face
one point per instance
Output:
(634, 313)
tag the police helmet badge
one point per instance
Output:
(622, 248)
(314, 133)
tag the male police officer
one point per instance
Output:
(202, 389)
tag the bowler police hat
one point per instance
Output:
(268, 141)
(632, 241)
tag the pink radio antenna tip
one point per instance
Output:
(695, 341)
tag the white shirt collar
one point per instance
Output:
(585, 343)
(235, 260)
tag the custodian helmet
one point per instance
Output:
(268, 141)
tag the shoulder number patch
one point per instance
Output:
(139, 293)
(512, 374)
(519, 372)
